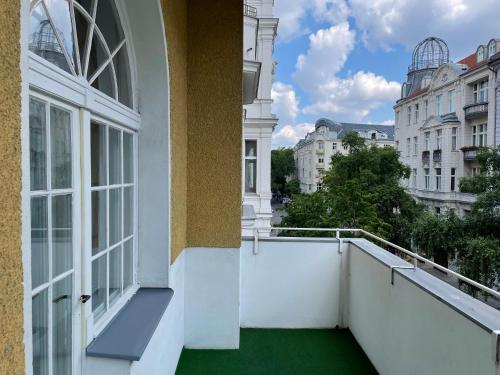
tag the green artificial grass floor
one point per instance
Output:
(281, 352)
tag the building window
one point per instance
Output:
(374, 136)
(321, 145)
(480, 91)
(454, 132)
(251, 166)
(439, 105)
(492, 48)
(320, 160)
(437, 209)
(427, 178)
(408, 146)
(409, 115)
(479, 134)
(439, 139)
(417, 108)
(452, 179)
(451, 101)
(415, 146)
(480, 54)
(414, 178)
(397, 117)
(426, 109)
(334, 146)
(427, 139)
(319, 186)
(345, 147)
(438, 178)
(475, 171)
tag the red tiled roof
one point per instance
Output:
(417, 92)
(470, 61)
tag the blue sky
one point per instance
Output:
(346, 59)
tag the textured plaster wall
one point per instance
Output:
(175, 18)
(205, 67)
(215, 66)
(11, 274)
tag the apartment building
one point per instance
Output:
(260, 27)
(314, 152)
(443, 117)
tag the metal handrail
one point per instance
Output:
(415, 256)
(249, 10)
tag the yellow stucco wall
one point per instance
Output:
(206, 124)
(11, 276)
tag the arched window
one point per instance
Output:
(84, 38)
(492, 48)
(480, 54)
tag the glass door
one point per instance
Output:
(55, 236)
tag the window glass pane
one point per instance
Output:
(115, 216)
(128, 158)
(61, 16)
(98, 154)
(251, 148)
(98, 56)
(98, 221)
(39, 241)
(109, 23)
(43, 40)
(250, 175)
(40, 326)
(115, 157)
(128, 211)
(87, 5)
(115, 274)
(105, 82)
(38, 146)
(99, 286)
(62, 326)
(60, 144)
(62, 234)
(123, 76)
(128, 268)
(82, 33)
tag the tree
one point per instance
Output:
(282, 168)
(437, 236)
(360, 190)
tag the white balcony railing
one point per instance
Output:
(406, 320)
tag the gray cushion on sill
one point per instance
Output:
(128, 334)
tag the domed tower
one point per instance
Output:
(428, 55)
(45, 44)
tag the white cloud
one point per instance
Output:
(463, 24)
(285, 104)
(344, 99)
(289, 135)
(292, 14)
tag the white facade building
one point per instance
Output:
(442, 119)
(314, 152)
(258, 123)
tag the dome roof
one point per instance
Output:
(335, 126)
(430, 53)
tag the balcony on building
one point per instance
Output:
(249, 11)
(251, 67)
(339, 305)
(476, 110)
(470, 153)
(426, 157)
(436, 156)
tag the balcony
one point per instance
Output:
(249, 11)
(470, 153)
(436, 156)
(426, 157)
(476, 110)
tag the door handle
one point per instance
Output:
(85, 297)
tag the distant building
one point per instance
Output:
(443, 117)
(313, 153)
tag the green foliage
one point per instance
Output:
(361, 190)
(282, 167)
(437, 236)
(292, 187)
(479, 259)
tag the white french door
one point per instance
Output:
(55, 202)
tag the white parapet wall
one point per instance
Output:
(290, 283)
(418, 324)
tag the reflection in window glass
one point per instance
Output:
(128, 211)
(60, 144)
(115, 216)
(38, 145)
(62, 326)
(109, 23)
(39, 241)
(99, 286)
(98, 154)
(105, 82)
(123, 76)
(115, 274)
(98, 221)
(128, 158)
(40, 333)
(115, 156)
(128, 268)
(62, 234)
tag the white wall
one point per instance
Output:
(290, 284)
(404, 329)
(212, 298)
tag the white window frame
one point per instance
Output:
(454, 139)
(480, 91)
(439, 139)
(427, 179)
(439, 104)
(452, 101)
(408, 147)
(426, 108)
(409, 115)
(257, 167)
(439, 182)
(453, 179)
(427, 140)
(415, 146)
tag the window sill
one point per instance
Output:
(128, 334)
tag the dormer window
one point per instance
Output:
(480, 54)
(374, 136)
(492, 48)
